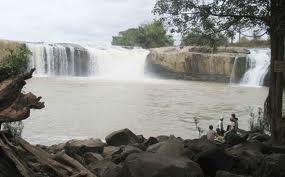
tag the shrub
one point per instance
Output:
(257, 123)
(14, 128)
(15, 63)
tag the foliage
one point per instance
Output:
(15, 63)
(198, 128)
(257, 123)
(213, 41)
(14, 128)
(214, 17)
(147, 36)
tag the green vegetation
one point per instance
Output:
(201, 40)
(146, 36)
(257, 123)
(15, 62)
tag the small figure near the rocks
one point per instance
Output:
(234, 121)
(232, 138)
(229, 128)
(211, 135)
(220, 127)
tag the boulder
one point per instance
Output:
(249, 157)
(141, 138)
(162, 138)
(258, 137)
(113, 171)
(82, 146)
(91, 157)
(150, 141)
(103, 167)
(109, 151)
(122, 137)
(199, 145)
(228, 174)
(172, 148)
(118, 158)
(148, 164)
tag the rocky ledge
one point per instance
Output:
(125, 154)
(197, 63)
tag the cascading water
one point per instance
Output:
(258, 62)
(85, 60)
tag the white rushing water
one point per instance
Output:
(86, 60)
(258, 62)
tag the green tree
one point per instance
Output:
(202, 40)
(238, 16)
(147, 36)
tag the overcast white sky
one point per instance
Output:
(92, 21)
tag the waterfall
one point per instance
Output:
(258, 62)
(86, 60)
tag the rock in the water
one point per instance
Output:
(82, 146)
(141, 138)
(121, 137)
(147, 164)
(162, 138)
(227, 174)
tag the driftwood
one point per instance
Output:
(21, 166)
(46, 159)
(62, 156)
(14, 105)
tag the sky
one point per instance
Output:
(93, 21)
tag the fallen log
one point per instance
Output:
(20, 165)
(45, 158)
(62, 156)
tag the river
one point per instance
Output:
(84, 107)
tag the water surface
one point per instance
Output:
(86, 107)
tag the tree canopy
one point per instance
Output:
(199, 39)
(146, 36)
(215, 16)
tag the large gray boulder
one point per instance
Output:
(148, 164)
(82, 146)
(172, 148)
(122, 137)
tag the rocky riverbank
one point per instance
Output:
(197, 63)
(125, 154)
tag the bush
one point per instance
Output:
(150, 35)
(14, 128)
(15, 63)
(257, 123)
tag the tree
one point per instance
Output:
(199, 39)
(147, 36)
(239, 16)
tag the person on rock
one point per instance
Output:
(220, 127)
(211, 135)
(234, 121)
(232, 138)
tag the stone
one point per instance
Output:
(148, 164)
(258, 137)
(172, 148)
(91, 157)
(150, 141)
(102, 167)
(162, 138)
(118, 158)
(141, 138)
(109, 151)
(228, 174)
(82, 146)
(121, 137)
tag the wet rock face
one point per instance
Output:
(82, 146)
(195, 63)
